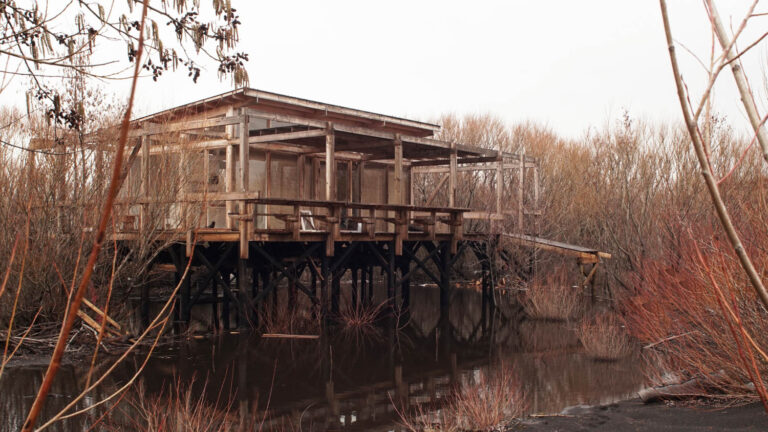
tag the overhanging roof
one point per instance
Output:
(312, 109)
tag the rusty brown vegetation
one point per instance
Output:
(552, 297)
(604, 337)
(488, 399)
(629, 189)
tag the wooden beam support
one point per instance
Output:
(330, 164)
(229, 172)
(300, 164)
(452, 179)
(154, 129)
(499, 184)
(244, 180)
(267, 184)
(397, 179)
(286, 136)
(144, 188)
(315, 190)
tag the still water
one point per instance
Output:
(346, 379)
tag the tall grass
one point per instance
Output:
(604, 337)
(485, 400)
(553, 298)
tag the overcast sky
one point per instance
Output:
(564, 63)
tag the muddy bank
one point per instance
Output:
(634, 415)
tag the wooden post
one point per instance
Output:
(405, 286)
(243, 179)
(355, 296)
(300, 162)
(350, 189)
(411, 187)
(521, 193)
(244, 302)
(499, 182)
(397, 179)
(229, 174)
(315, 192)
(185, 222)
(445, 281)
(325, 284)
(452, 176)
(391, 275)
(245, 156)
(144, 189)
(330, 164)
(267, 184)
(336, 291)
(361, 178)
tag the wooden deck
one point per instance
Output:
(256, 188)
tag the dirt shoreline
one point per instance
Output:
(634, 415)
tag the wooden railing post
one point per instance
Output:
(244, 180)
(330, 164)
(267, 184)
(452, 176)
(229, 173)
(144, 188)
(397, 178)
(300, 178)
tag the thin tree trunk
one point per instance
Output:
(77, 296)
(741, 80)
(714, 191)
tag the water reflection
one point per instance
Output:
(343, 381)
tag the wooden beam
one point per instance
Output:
(361, 179)
(267, 183)
(315, 192)
(243, 179)
(154, 129)
(452, 179)
(397, 178)
(436, 190)
(287, 136)
(330, 163)
(300, 165)
(144, 188)
(499, 184)
(229, 170)
(245, 157)
(350, 189)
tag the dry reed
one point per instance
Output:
(604, 337)
(553, 299)
(486, 400)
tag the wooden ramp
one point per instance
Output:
(584, 254)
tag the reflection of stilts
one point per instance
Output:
(240, 292)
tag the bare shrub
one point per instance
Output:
(700, 321)
(178, 408)
(553, 298)
(485, 400)
(604, 337)
(296, 319)
(360, 315)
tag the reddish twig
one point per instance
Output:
(106, 211)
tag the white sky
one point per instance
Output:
(564, 63)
